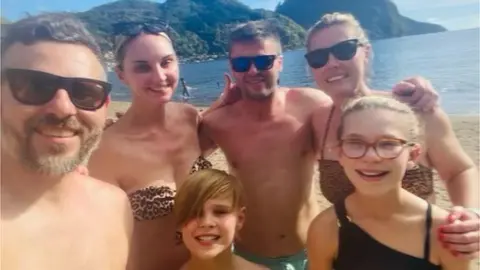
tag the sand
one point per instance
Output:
(466, 128)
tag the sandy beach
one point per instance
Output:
(466, 128)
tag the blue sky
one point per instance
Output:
(453, 14)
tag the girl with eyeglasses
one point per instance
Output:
(380, 225)
(338, 53)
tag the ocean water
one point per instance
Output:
(450, 60)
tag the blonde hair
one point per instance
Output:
(383, 103)
(337, 18)
(202, 186)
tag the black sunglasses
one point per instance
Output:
(129, 30)
(32, 87)
(261, 62)
(343, 51)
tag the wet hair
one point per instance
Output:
(405, 113)
(337, 18)
(254, 31)
(59, 27)
(202, 186)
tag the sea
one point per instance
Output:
(450, 60)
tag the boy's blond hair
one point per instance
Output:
(202, 186)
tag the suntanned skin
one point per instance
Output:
(133, 157)
(154, 144)
(271, 149)
(67, 221)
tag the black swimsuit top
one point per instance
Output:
(359, 250)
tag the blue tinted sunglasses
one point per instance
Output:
(261, 62)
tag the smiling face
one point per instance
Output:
(376, 172)
(54, 137)
(214, 230)
(339, 78)
(150, 68)
(255, 83)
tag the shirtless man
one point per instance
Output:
(53, 111)
(269, 138)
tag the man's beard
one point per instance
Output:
(263, 94)
(53, 161)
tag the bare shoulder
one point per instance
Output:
(105, 192)
(322, 239)
(183, 112)
(324, 225)
(309, 96)
(216, 116)
(243, 264)
(110, 202)
(103, 163)
(440, 254)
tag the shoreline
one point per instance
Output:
(465, 126)
(115, 106)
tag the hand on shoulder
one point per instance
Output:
(447, 253)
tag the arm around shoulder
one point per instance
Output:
(207, 145)
(322, 241)
(448, 157)
(444, 256)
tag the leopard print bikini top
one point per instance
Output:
(336, 186)
(153, 202)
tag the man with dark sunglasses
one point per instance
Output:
(267, 137)
(54, 95)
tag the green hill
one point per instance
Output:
(200, 26)
(380, 18)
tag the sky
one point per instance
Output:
(453, 14)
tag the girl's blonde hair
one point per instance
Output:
(202, 186)
(405, 113)
(337, 18)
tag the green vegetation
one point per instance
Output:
(380, 17)
(200, 27)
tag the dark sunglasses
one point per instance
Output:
(261, 62)
(32, 87)
(126, 31)
(343, 51)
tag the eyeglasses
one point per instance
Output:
(384, 148)
(130, 30)
(343, 51)
(32, 87)
(261, 62)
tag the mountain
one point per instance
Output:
(380, 18)
(200, 27)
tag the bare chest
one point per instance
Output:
(156, 160)
(275, 142)
(35, 241)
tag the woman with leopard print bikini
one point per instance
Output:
(152, 147)
(338, 54)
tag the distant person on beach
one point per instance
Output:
(185, 92)
(210, 211)
(54, 96)
(270, 136)
(380, 225)
(338, 53)
(152, 147)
